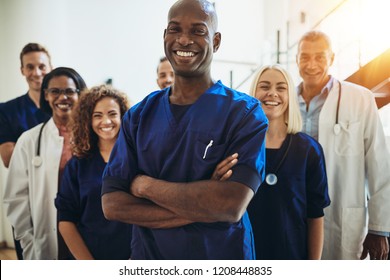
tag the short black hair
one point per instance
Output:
(60, 71)
(162, 59)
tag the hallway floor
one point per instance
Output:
(7, 254)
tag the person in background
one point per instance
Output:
(343, 117)
(22, 113)
(287, 211)
(36, 168)
(384, 114)
(165, 74)
(95, 126)
(158, 175)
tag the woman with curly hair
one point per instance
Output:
(95, 126)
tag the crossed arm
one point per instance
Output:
(160, 204)
(315, 226)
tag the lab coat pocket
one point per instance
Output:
(347, 142)
(353, 228)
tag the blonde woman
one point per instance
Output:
(287, 211)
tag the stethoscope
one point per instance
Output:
(337, 127)
(271, 178)
(37, 159)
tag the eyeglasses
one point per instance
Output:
(69, 92)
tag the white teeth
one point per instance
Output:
(272, 103)
(185, 54)
(63, 106)
(106, 129)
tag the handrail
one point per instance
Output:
(278, 52)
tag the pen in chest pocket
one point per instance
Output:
(207, 147)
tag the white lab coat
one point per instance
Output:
(384, 114)
(358, 169)
(30, 192)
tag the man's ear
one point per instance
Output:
(331, 59)
(165, 32)
(216, 41)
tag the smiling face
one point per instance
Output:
(272, 91)
(106, 119)
(165, 75)
(190, 38)
(35, 65)
(314, 59)
(61, 104)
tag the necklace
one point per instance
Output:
(271, 178)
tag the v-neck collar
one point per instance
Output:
(272, 166)
(174, 124)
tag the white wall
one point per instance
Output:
(101, 39)
(357, 29)
(122, 40)
(242, 27)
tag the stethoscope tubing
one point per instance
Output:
(336, 127)
(37, 160)
(338, 104)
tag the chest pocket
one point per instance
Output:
(179, 156)
(207, 156)
(347, 142)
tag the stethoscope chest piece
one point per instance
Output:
(37, 161)
(271, 179)
(337, 129)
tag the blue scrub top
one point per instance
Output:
(279, 213)
(79, 201)
(17, 116)
(153, 142)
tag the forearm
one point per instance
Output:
(6, 150)
(126, 208)
(201, 201)
(315, 233)
(74, 241)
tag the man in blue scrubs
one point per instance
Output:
(158, 176)
(22, 113)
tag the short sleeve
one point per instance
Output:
(249, 142)
(6, 131)
(122, 165)
(317, 183)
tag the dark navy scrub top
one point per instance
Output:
(279, 213)
(153, 142)
(79, 201)
(17, 116)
